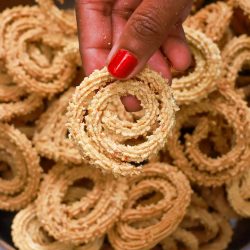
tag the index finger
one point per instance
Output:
(94, 32)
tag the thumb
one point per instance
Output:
(143, 34)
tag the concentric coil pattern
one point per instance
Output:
(235, 55)
(217, 199)
(28, 234)
(181, 237)
(110, 142)
(32, 61)
(238, 192)
(157, 202)
(202, 80)
(214, 230)
(51, 136)
(14, 101)
(213, 20)
(97, 209)
(208, 143)
(19, 167)
(65, 19)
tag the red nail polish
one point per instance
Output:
(122, 64)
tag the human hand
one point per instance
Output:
(127, 34)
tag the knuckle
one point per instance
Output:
(146, 25)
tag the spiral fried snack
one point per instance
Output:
(21, 186)
(223, 236)
(71, 51)
(217, 199)
(214, 232)
(50, 138)
(238, 192)
(14, 101)
(146, 221)
(180, 237)
(221, 121)
(28, 234)
(65, 19)
(235, 54)
(30, 60)
(199, 83)
(94, 128)
(10, 16)
(87, 219)
(213, 20)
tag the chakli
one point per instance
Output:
(51, 136)
(90, 124)
(86, 174)
(20, 169)
(198, 125)
(157, 202)
(89, 217)
(202, 80)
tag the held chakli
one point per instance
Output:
(92, 127)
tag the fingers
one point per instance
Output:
(158, 63)
(131, 103)
(143, 34)
(122, 10)
(176, 49)
(95, 32)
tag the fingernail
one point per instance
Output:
(122, 64)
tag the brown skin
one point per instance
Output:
(149, 29)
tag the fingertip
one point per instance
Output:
(178, 53)
(131, 103)
(160, 64)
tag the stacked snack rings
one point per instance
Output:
(197, 123)
(145, 222)
(17, 153)
(86, 174)
(88, 218)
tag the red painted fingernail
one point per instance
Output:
(122, 64)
